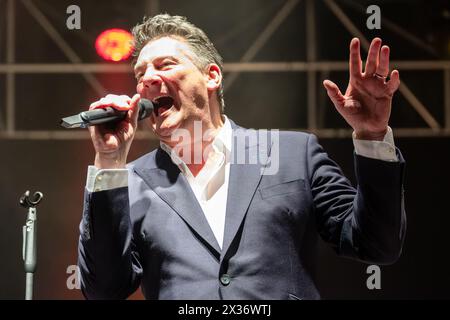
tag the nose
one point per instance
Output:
(151, 79)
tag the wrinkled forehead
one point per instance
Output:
(165, 47)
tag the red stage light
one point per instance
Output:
(114, 44)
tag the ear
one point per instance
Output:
(213, 77)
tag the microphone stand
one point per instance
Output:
(29, 239)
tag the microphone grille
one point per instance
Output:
(145, 108)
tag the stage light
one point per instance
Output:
(114, 45)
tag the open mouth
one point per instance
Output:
(162, 104)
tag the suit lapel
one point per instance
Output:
(166, 180)
(244, 179)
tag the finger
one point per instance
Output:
(94, 105)
(394, 82)
(334, 93)
(372, 57)
(109, 142)
(383, 66)
(355, 64)
(125, 98)
(115, 97)
(133, 114)
(100, 136)
(117, 102)
(127, 128)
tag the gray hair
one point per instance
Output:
(163, 25)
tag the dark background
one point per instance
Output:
(260, 100)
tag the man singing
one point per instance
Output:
(213, 227)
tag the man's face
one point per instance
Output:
(167, 75)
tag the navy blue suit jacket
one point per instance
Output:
(153, 233)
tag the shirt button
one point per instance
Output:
(99, 178)
(225, 279)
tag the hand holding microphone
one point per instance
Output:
(112, 143)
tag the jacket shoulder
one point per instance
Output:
(144, 161)
(294, 139)
(295, 135)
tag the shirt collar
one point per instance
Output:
(224, 137)
(221, 143)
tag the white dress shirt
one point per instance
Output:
(210, 186)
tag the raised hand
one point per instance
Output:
(366, 105)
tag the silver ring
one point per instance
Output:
(379, 76)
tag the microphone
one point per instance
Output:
(108, 114)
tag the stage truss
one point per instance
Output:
(311, 67)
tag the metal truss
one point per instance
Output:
(311, 67)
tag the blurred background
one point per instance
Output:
(277, 53)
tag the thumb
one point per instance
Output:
(133, 112)
(335, 94)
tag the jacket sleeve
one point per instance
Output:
(107, 257)
(367, 223)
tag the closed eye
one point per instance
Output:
(138, 76)
(166, 63)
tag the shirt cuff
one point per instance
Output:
(380, 150)
(106, 179)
